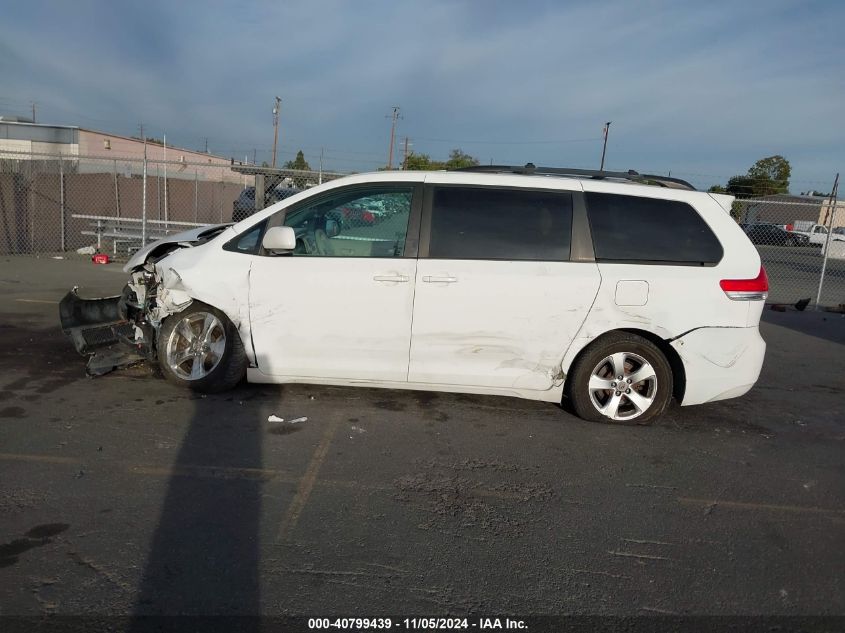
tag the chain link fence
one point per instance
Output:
(66, 206)
(75, 206)
(801, 241)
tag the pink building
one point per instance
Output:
(102, 151)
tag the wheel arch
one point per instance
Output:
(679, 379)
(231, 365)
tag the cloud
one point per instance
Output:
(709, 87)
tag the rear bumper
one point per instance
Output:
(720, 362)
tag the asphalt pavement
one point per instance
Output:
(125, 495)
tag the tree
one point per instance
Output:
(459, 159)
(298, 163)
(767, 176)
(421, 162)
(741, 187)
(772, 174)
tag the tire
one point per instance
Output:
(200, 349)
(601, 363)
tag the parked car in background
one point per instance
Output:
(816, 233)
(244, 206)
(773, 235)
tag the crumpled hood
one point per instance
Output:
(191, 235)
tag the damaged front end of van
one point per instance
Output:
(121, 330)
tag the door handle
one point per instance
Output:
(439, 280)
(394, 278)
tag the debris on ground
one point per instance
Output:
(800, 305)
(275, 418)
(110, 358)
(86, 250)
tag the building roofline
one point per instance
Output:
(27, 123)
(140, 140)
(113, 135)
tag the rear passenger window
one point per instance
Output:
(509, 224)
(631, 228)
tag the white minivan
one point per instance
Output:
(613, 290)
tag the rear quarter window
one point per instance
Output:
(650, 230)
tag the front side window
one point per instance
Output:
(649, 230)
(503, 224)
(353, 223)
(248, 241)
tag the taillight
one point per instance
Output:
(756, 289)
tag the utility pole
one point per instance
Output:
(394, 118)
(604, 148)
(320, 179)
(253, 156)
(405, 155)
(164, 139)
(206, 145)
(33, 111)
(144, 193)
(276, 109)
(826, 248)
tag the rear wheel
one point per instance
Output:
(200, 349)
(621, 378)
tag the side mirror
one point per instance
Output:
(279, 238)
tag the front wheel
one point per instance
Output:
(200, 349)
(621, 378)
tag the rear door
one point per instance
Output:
(498, 297)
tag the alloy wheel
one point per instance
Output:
(196, 346)
(623, 386)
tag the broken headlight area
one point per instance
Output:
(114, 332)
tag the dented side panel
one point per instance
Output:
(499, 324)
(211, 275)
(720, 363)
(680, 299)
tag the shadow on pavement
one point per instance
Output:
(829, 326)
(205, 551)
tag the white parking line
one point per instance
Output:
(35, 301)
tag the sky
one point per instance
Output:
(700, 90)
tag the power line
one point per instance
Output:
(557, 142)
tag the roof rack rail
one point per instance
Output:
(529, 169)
